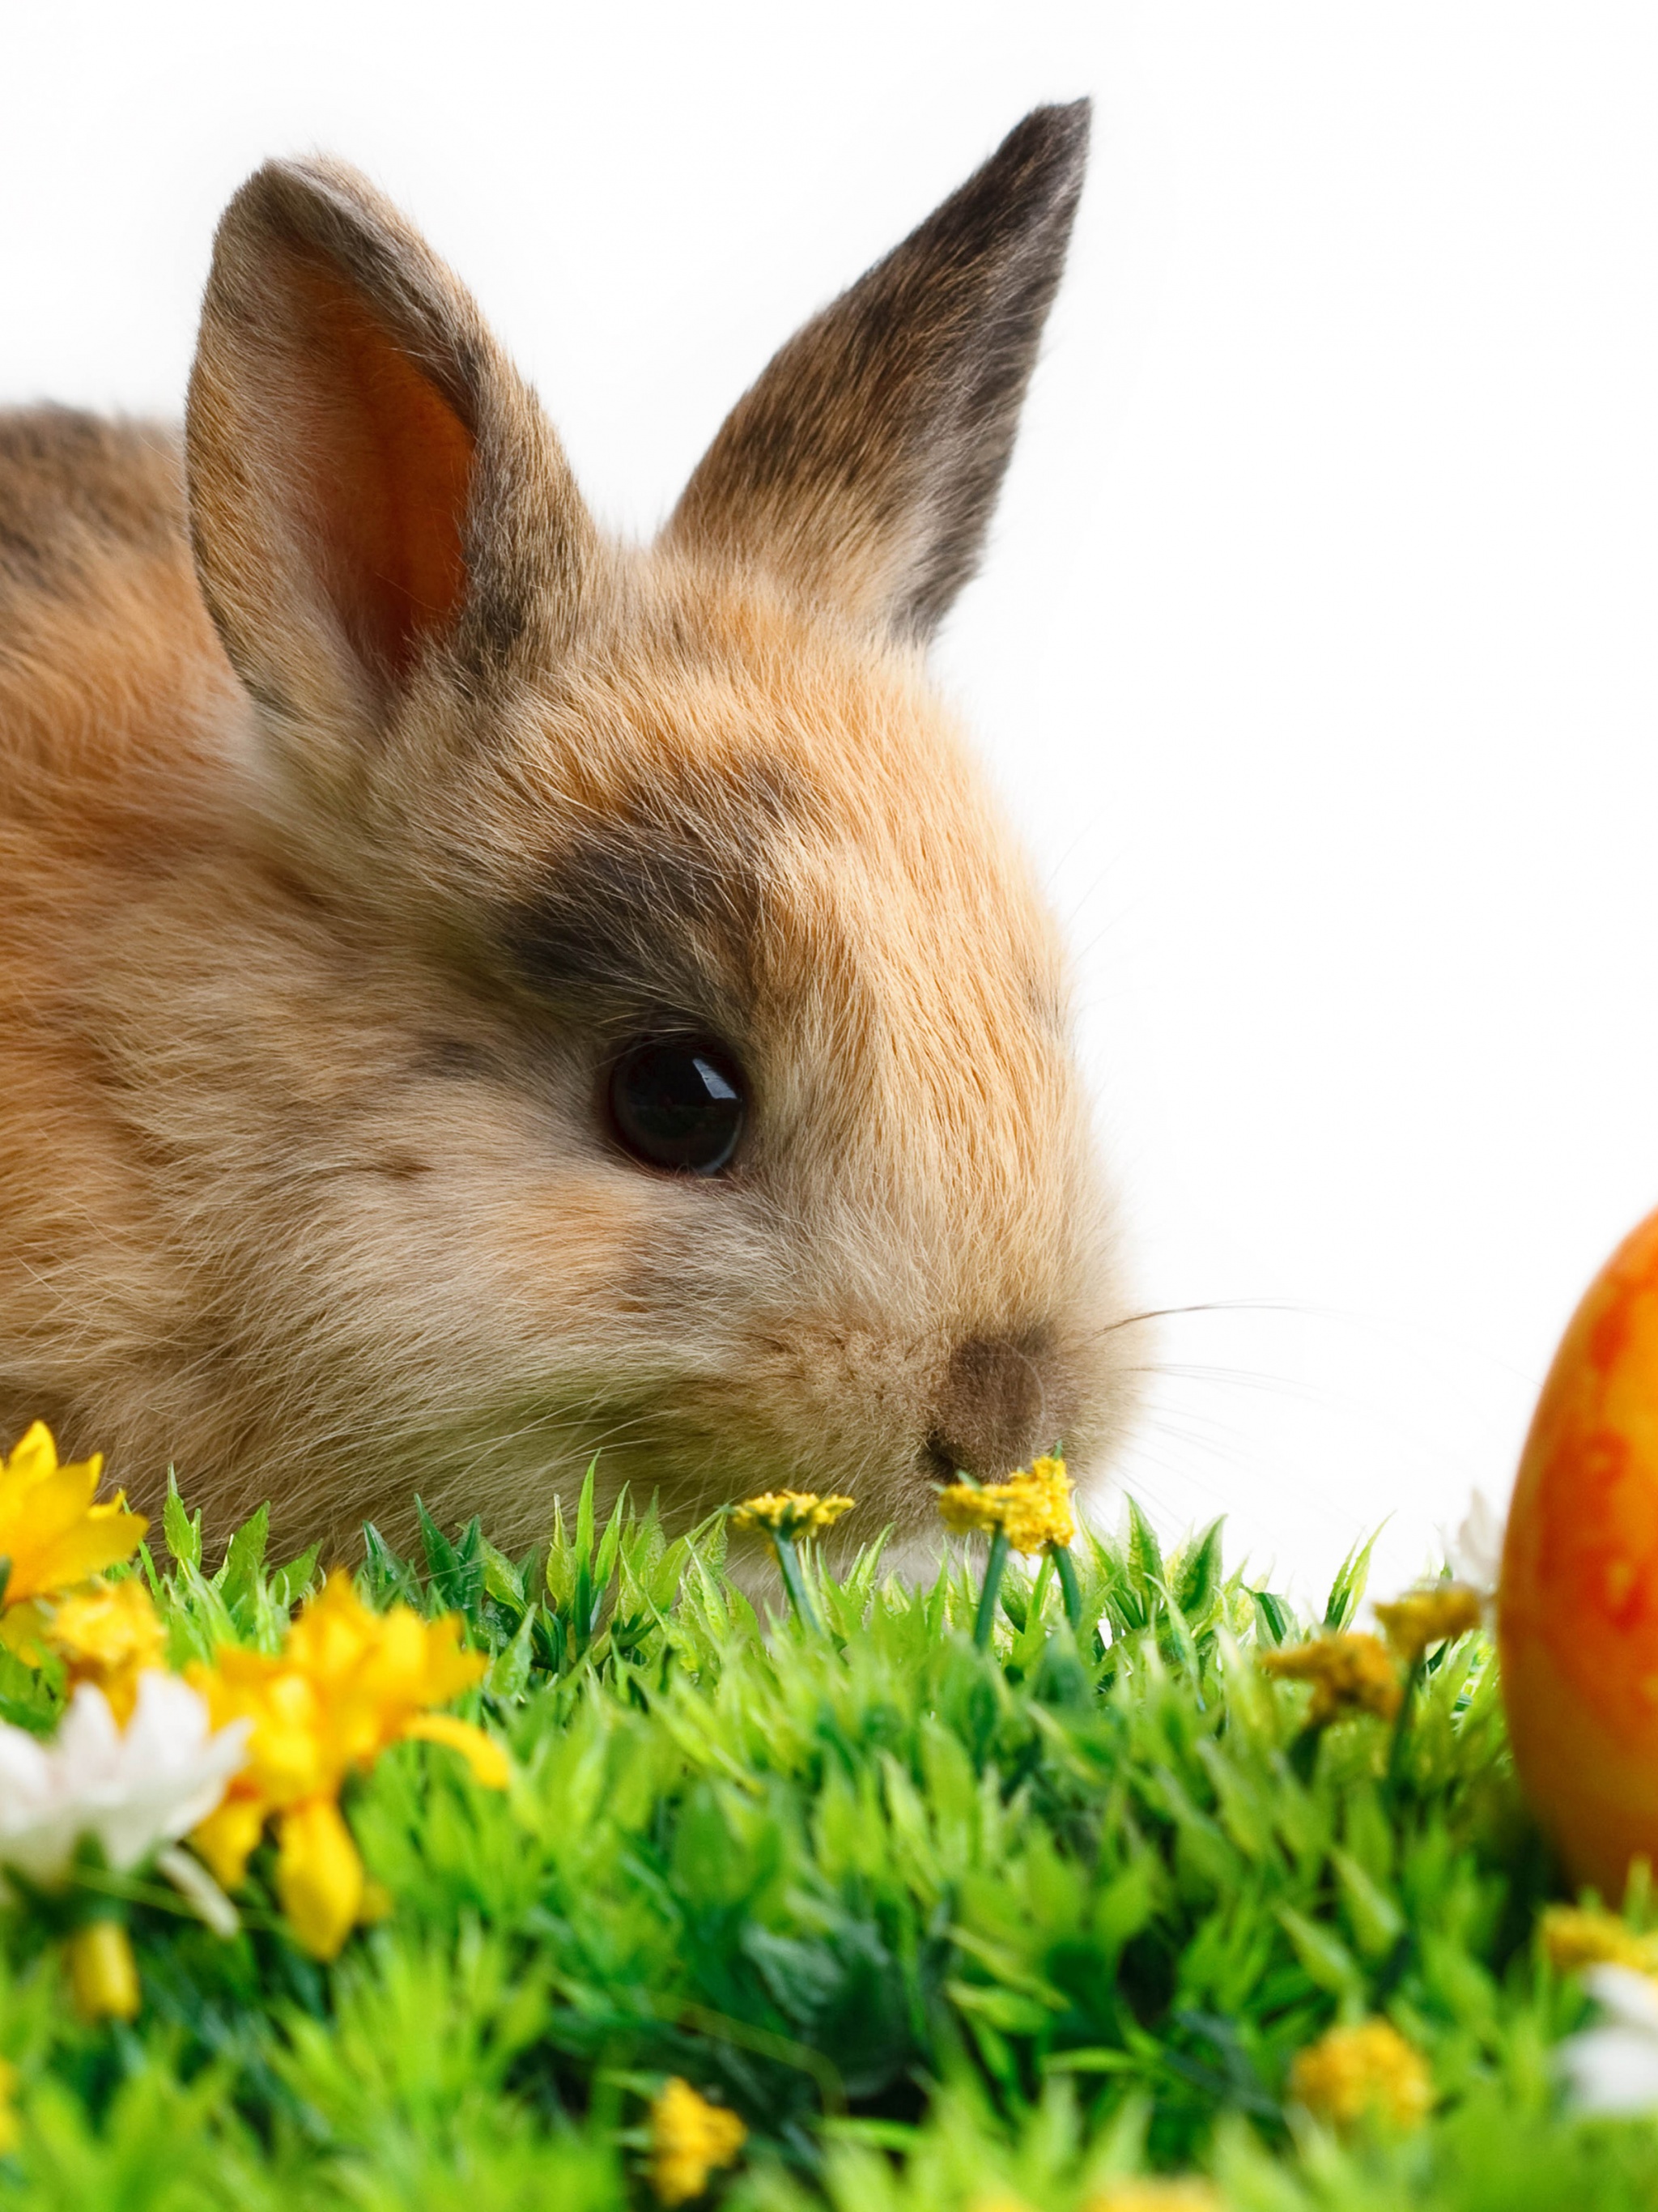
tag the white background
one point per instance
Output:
(1313, 650)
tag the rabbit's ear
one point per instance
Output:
(370, 482)
(863, 465)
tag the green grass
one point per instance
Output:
(937, 1922)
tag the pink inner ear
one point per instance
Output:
(388, 465)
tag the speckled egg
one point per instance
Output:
(1577, 1611)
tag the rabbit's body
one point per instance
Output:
(321, 945)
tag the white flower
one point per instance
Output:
(199, 1891)
(131, 1789)
(1613, 2068)
(1475, 1552)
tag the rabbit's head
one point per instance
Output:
(681, 1069)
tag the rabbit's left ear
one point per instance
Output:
(370, 482)
(862, 468)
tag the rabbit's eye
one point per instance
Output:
(678, 1103)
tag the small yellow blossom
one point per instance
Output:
(1039, 1510)
(1180, 2193)
(1573, 1939)
(319, 1875)
(11, 2128)
(347, 1684)
(1351, 1674)
(50, 1532)
(1428, 1616)
(969, 1509)
(108, 1634)
(485, 1757)
(102, 1972)
(1368, 2069)
(791, 1513)
(1032, 1508)
(690, 2138)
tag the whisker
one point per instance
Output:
(1205, 1305)
(1245, 1378)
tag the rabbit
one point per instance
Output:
(475, 995)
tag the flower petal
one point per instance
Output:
(199, 1891)
(1476, 1550)
(1611, 2070)
(319, 1875)
(1631, 1999)
(34, 1457)
(103, 1972)
(226, 1838)
(488, 1761)
(170, 1772)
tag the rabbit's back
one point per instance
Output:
(109, 667)
(74, 487)
(112, 686)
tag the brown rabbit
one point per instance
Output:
(474, 994)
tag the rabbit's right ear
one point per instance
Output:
(371, 484)
(862, 468)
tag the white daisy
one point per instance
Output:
(1613, 2068)
(131, 1789)
(1475, 1552)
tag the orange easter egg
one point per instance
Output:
(1578, 1611)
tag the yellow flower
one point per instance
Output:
(226, 1838)
(689, 2138)
(1183, 2193)
(1032, 1508)
(968, 1510)
(102, 1972)
(50, 1531)
(1039, 1506)
(481, 1753)
(1428, 1616)
(319, 1877)
(1348, 1674)
(1367, 2069)
(108, 1633)
(791, 1513)
(11, 2128)
(347, 1684)
(1573, 1939)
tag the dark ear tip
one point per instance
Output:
(313, 198)
(1053, 138)
(274, 184)
(1064, 121)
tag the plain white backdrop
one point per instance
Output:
(1314, 648)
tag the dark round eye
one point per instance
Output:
(678, 1103)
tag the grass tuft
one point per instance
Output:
(953, 1922)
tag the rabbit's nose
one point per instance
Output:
(996, 1407)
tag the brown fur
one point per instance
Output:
(323, 917)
